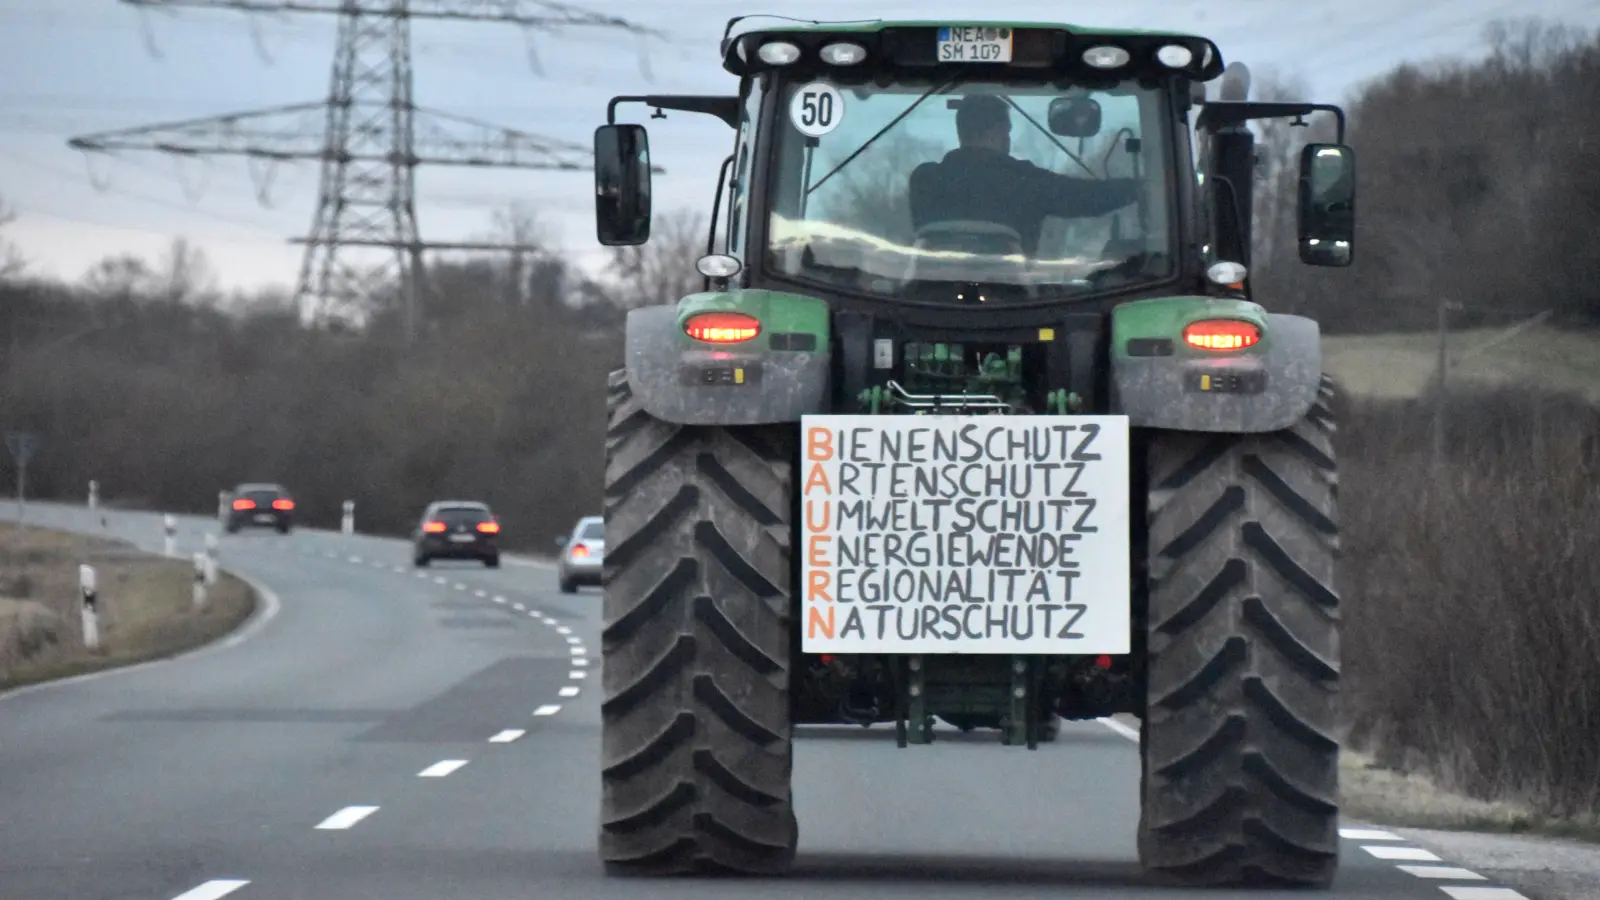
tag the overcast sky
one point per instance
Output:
(70, 67)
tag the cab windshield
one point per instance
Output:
(960, 191)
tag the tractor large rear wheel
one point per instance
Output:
(1240, 756)
(696, 733)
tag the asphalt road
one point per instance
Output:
(379, 732)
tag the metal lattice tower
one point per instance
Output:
(369, 137)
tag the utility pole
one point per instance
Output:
(370, 137)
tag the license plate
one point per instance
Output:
(974, 43)
(462, 538)
(263, 517)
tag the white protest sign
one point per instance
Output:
(965, 534)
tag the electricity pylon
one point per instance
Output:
(370, 137)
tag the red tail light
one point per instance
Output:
(244, 504)
(489, 527)
(433, 527)
(283, 504)
(1221, 334)
(722, 327)
(579, 551)
(1103, 661)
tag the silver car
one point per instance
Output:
(582, 554)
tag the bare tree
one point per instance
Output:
(659, 271)
(12, 263)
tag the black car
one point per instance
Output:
(260, 505)
(457, 529)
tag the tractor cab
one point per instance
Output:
(997, 165)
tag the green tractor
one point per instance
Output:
(976, 419)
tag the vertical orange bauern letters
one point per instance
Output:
(818, 521)
(817, 587)
(819, 444)
(817, 551)
(820, 620)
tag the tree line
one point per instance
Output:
(1468, 590)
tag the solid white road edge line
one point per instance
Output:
(266, 612)
(1482, 893)
(1131, 734)
(1446, 873)
(213, 889)
(346, 817)
(441, 768)
(507, 736)
(548, 709)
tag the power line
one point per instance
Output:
(369, 137)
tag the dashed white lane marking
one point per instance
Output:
(578, 651)
(577, 674)
(356, 560)
(499, 599)
(1414, 853)
(213, 889)
(422, 574)
(1444, 873)
(480, 593)
(532, 614)
(574, 640)
(507, 736)
(346, 817)
(399, 571)
(1482, 893)
(563, 630)
(518, 607)
(331, 555)
(439, 579)
(441, 768)
(580, 661)
(570, 690)
(547, 710)
(1367, 834)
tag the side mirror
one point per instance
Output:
(1327, 205)
(622, 185)
(1076, 117)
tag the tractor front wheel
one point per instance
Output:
(1240, 755)
(696, 733)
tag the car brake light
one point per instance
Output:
(489, 527)
(579, 551)
(244, 504)
(433, 527)
(1221, 334)
(722, 327)
(283, 504)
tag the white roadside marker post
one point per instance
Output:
(91, 615)
(348, 523)
(199, 581)
(94, 495)
(211, 558)
(169, 525)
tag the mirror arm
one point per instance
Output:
(716, 208)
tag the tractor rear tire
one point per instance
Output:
(1240, 754)
(696, 735)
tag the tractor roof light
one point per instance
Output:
(843, 54)
(778, 53)
(1221, 334)
(1106, 56)
(722, 327)
(1175, 56)
(1227, 274)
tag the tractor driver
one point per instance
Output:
(980, 180)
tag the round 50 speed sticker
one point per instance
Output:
(817, 108)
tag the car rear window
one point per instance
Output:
(262, 496)
(462, 515)
(593, 531)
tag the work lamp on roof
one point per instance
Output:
(778, 53)
(843, 54)
(1105, 57)
(1175, 56)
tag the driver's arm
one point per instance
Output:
(1069, 197)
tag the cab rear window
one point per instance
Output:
(593, 531)
(459, 515)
